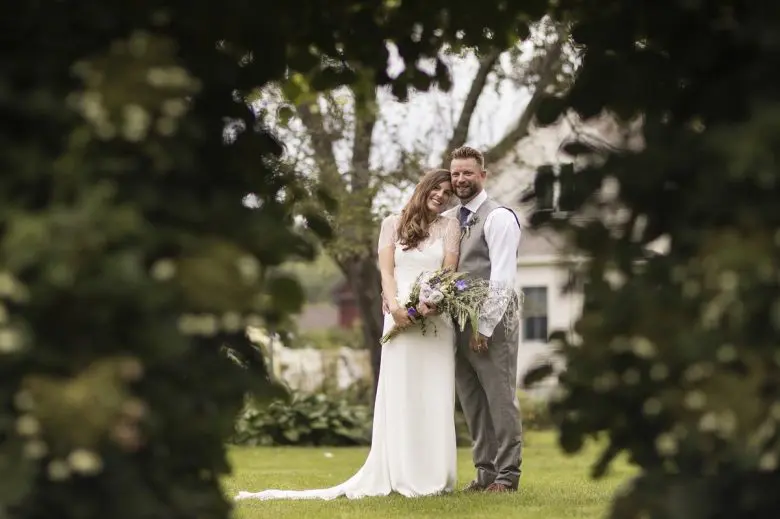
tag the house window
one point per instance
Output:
(535, 314)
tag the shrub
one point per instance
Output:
(342, 420)
(331, 338)
(535, 413)
(312, 420)
(358, 394)
(462, 435)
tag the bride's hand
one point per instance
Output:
(425, 309)
(401, 317)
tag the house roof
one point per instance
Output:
(515, 174)
(540, 243)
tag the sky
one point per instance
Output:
(436, 112)
(427, 119)
(425, 122)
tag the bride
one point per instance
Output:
(413, 448)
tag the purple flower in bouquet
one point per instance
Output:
(461, 285)
(412, 312)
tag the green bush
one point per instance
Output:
(342, 419)
(314, 420)
(462, 435)
(675, 359)
(331, 338)
(359, 393)
(535, 413)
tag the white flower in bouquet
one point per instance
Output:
(425, 292)
(433, 298)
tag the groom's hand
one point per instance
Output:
(478, 344)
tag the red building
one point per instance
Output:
(346, 302)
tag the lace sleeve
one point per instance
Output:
(388, 234)
(452, 236)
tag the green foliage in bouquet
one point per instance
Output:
(312, 420)
(454, 294)
(677, 359)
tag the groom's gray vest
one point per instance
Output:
(474, 252)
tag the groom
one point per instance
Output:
(486, 366)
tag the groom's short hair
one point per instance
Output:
(467, 152)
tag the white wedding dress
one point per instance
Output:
(413, 449)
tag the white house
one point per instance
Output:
(543, 265)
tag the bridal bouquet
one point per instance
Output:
(452, 293)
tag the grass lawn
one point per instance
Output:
(553, 485)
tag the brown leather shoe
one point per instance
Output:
(499, 488)
(474, 486)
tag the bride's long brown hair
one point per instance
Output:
(416, 218)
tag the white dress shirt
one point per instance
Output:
(502, 234)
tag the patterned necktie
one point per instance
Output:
(464, 215)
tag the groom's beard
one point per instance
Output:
(466, 193)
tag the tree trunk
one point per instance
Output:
(363, 277)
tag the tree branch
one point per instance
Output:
(355, 225)
(461, 132)
(366, 113)
(322, 142)
(547, 76)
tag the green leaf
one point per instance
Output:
(443, 77)
(284, 114)
(331, 77)
(296, 88)
(571, 442)
(550, 110)
(319, 225)
(523, 32)
(292, 435)
(577, 148)
(288, 296)
(537, 374)
(17, 472)
(602, 464)
(328, 201)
